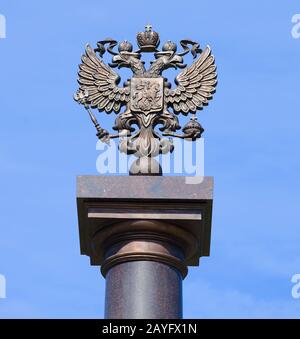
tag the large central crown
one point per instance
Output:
(148, 40)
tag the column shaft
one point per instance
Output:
(143, 290)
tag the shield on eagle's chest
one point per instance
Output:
(147, 95)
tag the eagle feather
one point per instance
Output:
(99, 83)
(195, 85)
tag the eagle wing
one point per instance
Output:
(195, 85)
(99, 84)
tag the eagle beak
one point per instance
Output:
(117, 59)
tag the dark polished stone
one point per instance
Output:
(143, 290)
(105, 201)
(144, 232)
(145, 187)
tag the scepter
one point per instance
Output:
(102, 133)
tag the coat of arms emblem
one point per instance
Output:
(148, 97)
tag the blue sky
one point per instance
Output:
(251, 148)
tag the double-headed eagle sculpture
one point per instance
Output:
(148, 97)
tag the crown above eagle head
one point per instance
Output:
(147, 40)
